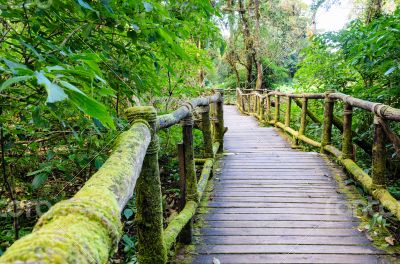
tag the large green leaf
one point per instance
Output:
(39, 180)
(13, 80)
(54, 92)
(88, 105)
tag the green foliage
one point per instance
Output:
(70, 68)
(361, 60)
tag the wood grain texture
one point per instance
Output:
(273, 204)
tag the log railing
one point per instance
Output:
(266, 105)
(87, 227)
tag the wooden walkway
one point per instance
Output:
(273, 204)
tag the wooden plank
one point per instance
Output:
(256, 231)
(286, 249)
(296, 210)
(281, 224)
(230, 202)
(281, 193)
(289, 258)
(277, 217)
(281, 240)
(275, 202)
(265, 187)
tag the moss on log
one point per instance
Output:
(204, 176)
(149, 216)
(87, 227)
(379, 193)
(178, 223)
(175, 117)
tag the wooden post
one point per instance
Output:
(242, 102)
(257, 104)
(277, 108)
(347, 145)
(182, 176)
(268, 108)
(206, 130)
(327, 125)
(303, 119)
(288, 110)
(149, 216)
(378, 155)
(237, 98)
(262, 108)
(248, 103)
(219, 126)
(189, 171)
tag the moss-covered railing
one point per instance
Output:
(266, 105)
(87, 227)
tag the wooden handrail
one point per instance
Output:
(374, 184)
(87, 227)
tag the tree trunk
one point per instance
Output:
(249, 45)
(374, 10)
(257, 50)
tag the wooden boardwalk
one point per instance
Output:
(273, 204)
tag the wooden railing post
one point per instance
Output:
(189, 172)
(248, 103)
(257, 102)
(347, 145)
(206, 130)
(219, 125)
(268, 107)
(277, 108)
(303, 119)
(242, 103)
(288, 111)
(237, 98)
(262, 108)
(149, 216)
(327, 125)
(378, 155)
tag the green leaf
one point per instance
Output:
(106, 4)
(175, 47)
(390, 71)
(98, 162)
(36, 172)
(13, 65)
(85, 5)
(128, 241)
(13, 80)
(39, 180)
(147, 6)
(91, 107)
(222, 48)
(71, 87)
(54, 92)
(128, 213)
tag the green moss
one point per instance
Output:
(355, 199)
(149, 217)
(205, 174)
(87, 227)
(178, 223)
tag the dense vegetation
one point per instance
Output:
(361, 60)
(70, 68)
